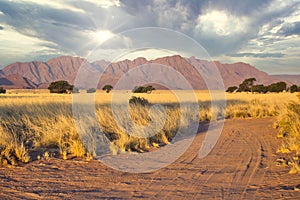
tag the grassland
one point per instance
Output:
(289, 125)
(35, 124)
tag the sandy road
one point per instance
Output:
(241, 166)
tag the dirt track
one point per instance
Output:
(241, 166)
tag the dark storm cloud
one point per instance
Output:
(62, 27)
(290, 29)
(1, 28)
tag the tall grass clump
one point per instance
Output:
(129, 130)
(12, 148)
(289, 124)
(40, 122)
(252, 109)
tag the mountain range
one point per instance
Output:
(37, 74)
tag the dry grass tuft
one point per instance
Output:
(38, 121)
(289, 124)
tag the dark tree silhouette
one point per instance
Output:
(142, 89)
(246, 85)
(107, 88)
(232, 89)
(2, 90)
(61, 87)
(294, 88)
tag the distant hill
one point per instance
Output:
(16, 81)
(64, 67)
(291, 79)
(37, 74)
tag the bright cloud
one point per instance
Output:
(104, 3)
(222, 23)
(101, 36)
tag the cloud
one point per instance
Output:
(18, 47)
(221, 23)
(104, 3)
(290, 29)
(240, 8)
(258, 55)
(222, 27)
(56, 4)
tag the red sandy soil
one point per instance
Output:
(241, 166)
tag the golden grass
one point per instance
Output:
(33, 120)
(289, 124)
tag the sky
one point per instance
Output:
(263, 33)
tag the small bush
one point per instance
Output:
(2, 90)
(232, 89)
(138, 101)
(142, 89)
(91, 90)
(13, 152)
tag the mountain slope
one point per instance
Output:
(16, 81)
(169, 71)
(291, 79)
(64, 67)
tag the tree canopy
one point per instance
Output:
(294, 88)
(232, 89)
(61, 87)
(107, 88)
(143, 89)
(277, 87)
(248, 86)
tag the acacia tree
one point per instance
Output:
(294, 88)
(142, 89)
(107, 88)
(246, 85)
(277, 87)
(60, 87)
(259, 88)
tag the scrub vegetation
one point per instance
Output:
(36, 124)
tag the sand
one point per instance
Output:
(241, 166)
